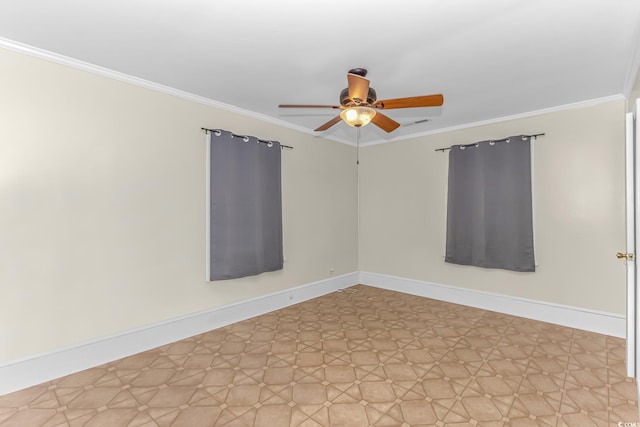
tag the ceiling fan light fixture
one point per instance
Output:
(357, 116)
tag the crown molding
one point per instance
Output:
(126, 78)
(147, 84)
(572, 106)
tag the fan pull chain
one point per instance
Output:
(357, 146)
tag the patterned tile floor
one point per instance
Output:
(361, 357)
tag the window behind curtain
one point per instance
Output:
(245, 207)
(489, 206)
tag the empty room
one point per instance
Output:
(279, 213)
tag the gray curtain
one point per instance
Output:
(245, 206)
(489, 207)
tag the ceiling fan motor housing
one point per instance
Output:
(345, 101)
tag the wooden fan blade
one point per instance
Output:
(385, 123)
(330, 123)
(358, 88)
(410, 102)
(307, 106)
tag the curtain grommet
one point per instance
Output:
(270, 144)
(245, 139)
(217, 132)
(492, 143)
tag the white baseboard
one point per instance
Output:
(574, 317)
(18, 374)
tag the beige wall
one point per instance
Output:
(102, 207)
(579, 209)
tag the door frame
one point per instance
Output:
(632, 167)
(631, 200)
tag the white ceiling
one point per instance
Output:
(491, 59)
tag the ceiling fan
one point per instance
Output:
(359, 104)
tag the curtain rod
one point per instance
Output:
(491, 140)
(206, 130)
